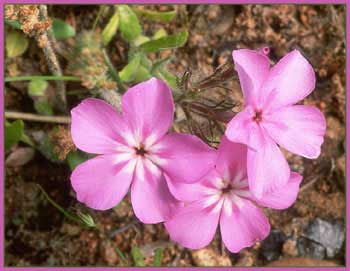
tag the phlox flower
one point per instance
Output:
(223, 197)
(271, 119)
(135, 149)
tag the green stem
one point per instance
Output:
(42, 77)
(58, 207)
(113, 72)
(97, 18)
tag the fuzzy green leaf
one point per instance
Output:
(13, 133)
(16, 43)
(164, 43)
(158, 256)
(142, 74)
(157, 16)
(43, 107)
(37, 87)
(62, 30)
(167, 77)
(137, 256)
(141, 40)
(128, 73)
(129, 24)
(111, 29)
(160, 34)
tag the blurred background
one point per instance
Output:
(101, 50)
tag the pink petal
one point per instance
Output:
(283, 197)
(253, 69)
(184, 157)
(150, 196)
(268, 169)
(289, 81)
(192, 226)
(185, 191)
(243, 227)
(299, 129)
(232, 159)
(96, 127)
(242, 129)
(101, 183)
(191, 192)
(149, 109)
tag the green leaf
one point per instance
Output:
(75, 158)
(142, 74)
(86, 219)
(13, 133)
(146, 62)
(46, 148)
(62, 30)
(141, 40)
(14, 24)
(111, 29)
(121, 255)
(159, 34)
(158, 256)
(43, 107)
(26, 139)
(168, 42)
(137, 256)
(128, 73)
(129, 24)
(157, 16)
(160, 63)
(37, 87)
(37, 90)
(167, 77)
(16, 43)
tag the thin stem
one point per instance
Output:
(58, 207)
(53, 63)
(113, 72)
(42, 77)
(97, 18)
(35, 117)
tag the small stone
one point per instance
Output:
(308, 248)
(208, 257)
(20, 157)
(271, 247)
(329, 234)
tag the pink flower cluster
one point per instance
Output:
(177, 179)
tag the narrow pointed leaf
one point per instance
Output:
(165, 43)
(129, 24)
(128, 73)
(158, 256)
(111, 29)
(157, 16)
(137, 256)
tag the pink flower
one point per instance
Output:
(135, 150)
(223, 197)
(270, 116)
